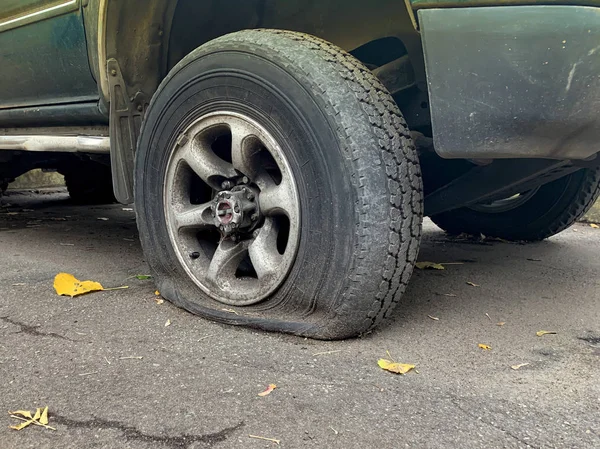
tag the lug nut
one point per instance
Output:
(194, 255)
(245, 180)
(226, 185)
(236, 209)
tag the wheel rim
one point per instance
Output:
(505, 204)
(232, 208)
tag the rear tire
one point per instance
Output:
(352, 161)
(551, 209)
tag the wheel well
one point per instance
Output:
(148, 37)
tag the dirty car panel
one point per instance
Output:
(521, 82)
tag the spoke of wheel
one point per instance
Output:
(206, 164)
(241, 139)
(193, 216)
(263, 250)
(277, 198)
(225, 261)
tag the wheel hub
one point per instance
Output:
(236, 211)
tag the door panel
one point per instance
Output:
(43, 54)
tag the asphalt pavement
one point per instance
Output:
(115, 376)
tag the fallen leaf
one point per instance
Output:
(501, 323)
(102, 218)
(594, 225)
(473, 284)
(432, 265)
(540, 333)
(157, 293)
(516, 367)
(484, 347)
(25, 413)
(168, 323)
(67, 285)
(159, 300)
(270, 388)
(40, 418)
(143, 277)
(393, 367)
(435, 318)
(22, 425)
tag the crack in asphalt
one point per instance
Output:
(131, 433)
(32, 330)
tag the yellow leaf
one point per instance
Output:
(393, 367)
(67, 285)
(38, 413)
(25, 413)
(594, 225)
(484, 347)
(157, 293)
(168, 323)
(159, 300)
(425, 265)
(516, 367)
(22, 425)
(44, 417)
(472, 284)
(540, 333)
(501, 323)
(270, 388)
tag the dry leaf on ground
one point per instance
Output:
(159, 300)
(393, 367)
(40, 418)
(157, 293)
(432, 265)
(484, 347)
(168, 323)
(472, 284)
(516, 367)
(435, 318)
(501, 323)
(594, 225)
(68, 285)
(270, 388)
(540, 333)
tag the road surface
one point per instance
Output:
(114, 376)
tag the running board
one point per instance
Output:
(56, 143)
